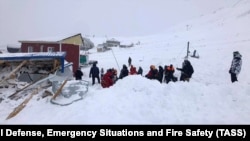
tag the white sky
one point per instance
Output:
(209, 97)
(29, 19)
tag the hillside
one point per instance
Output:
(209, 97)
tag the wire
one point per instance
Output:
(115, 59)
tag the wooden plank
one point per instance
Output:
(11, 74)
(59, 90)
(53, 70)
(56, 66)
(22, 105)
(47, 93)
(15, 93)
(1, 62)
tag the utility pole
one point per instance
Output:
(187, 49)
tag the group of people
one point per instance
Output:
(94, 73)
(165, 74)
(110, 77)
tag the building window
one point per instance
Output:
(30, 49)
(50, 49)
(41, 48)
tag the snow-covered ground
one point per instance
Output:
(209, 97)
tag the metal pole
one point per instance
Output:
(115, 59)
(187, 49)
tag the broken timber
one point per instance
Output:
(59, 90)
(14, 71)
(47, 93)
(12, 96)
(22, 105)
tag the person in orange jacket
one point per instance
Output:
(169, 73)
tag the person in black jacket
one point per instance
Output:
(186, 71)
(124, 72)
(94, 73)
(129, 61)
(78, 74)
(140, 71)
(160, 73)
(235, 66)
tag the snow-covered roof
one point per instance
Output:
(17, 56)
(112, 40)
(34, 56)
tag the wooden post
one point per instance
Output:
(22, 105)
(55, 66)
(59, 90)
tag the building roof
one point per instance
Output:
(34, 56)
(39, 41)
(113, 40)
(50, 40)
(79, 34)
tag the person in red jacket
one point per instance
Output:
(133, 70)
(107, 79)
(152, 74)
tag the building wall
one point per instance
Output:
(76, 40)
(37, 47)
(72, 54)
(72, 51)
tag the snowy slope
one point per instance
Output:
(209, 98)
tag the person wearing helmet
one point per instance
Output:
(153, 72)
(235, 66)
(169, 73)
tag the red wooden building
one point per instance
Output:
(72, 50)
